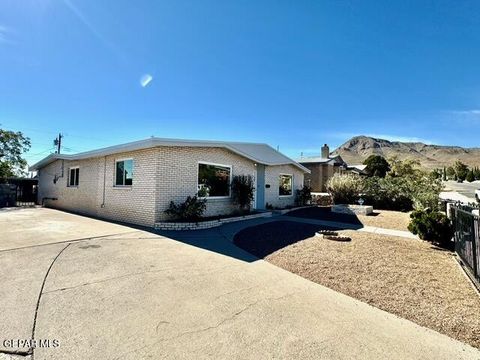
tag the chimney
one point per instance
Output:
(325, 151)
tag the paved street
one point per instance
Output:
(107, 291)
(464, 189)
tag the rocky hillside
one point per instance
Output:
(358, 148)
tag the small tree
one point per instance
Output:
(470, 176)
(461, 170)
(376, 166)
(451, 173)
(242, 191)
(12, 146)
(345, 188)
(477, 173)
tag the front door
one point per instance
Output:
(260, 193)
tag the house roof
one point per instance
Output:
(359, 167)
(320, 160)
(257, 152)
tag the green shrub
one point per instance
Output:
(405, 187)
(345, 188)
(304, 196)
(191, 209)
(242, 191)
(432, 226)
(388, 193)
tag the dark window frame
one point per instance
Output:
(222, 167)
(125, 182)
(280, 183)
(75, 177)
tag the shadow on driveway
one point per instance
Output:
(325, 213)
(211, 240)
(265, 239)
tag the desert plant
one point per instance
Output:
(432, 226)
(344, 188)
(191, 209)
(242, 191)
(304, 195)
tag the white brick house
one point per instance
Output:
(135, 182)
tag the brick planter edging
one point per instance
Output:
(206, 224)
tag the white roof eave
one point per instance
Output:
(154, 142)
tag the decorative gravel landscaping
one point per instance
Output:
(406, 277)
(381, 218)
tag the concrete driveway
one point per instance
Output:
(104, 291)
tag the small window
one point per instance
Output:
(214, 180)
(285, 186)
(73, 177)
(124, 172)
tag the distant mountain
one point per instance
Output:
(358, 148)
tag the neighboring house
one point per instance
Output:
(357, 169)
(322, 168)
(135, 182)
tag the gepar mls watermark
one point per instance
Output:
(31, 343)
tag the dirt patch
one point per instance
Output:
(387, 219)
(380, 218)
(406, 277)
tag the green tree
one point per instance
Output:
(450, 173)
(402, 168)
(436, 174)
(470, 176)
(461, 170)
(444, 174)
(477, 173)
(406, 186)
(376, 166)
(12, 146)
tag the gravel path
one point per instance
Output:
(405, 277)
(381, 218)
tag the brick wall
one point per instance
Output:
(178, 173)
(135, 204)
(272, 178)
(160, 175)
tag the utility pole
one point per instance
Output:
(58, 142)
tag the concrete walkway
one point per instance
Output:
(347, 226)
(107, 291)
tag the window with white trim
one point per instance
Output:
(124, 172)
(73, 175)
(214, 179)
(285, 185)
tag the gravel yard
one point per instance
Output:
(381, 218)
(405, 277)
(387, 219)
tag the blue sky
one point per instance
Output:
(294, 74)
